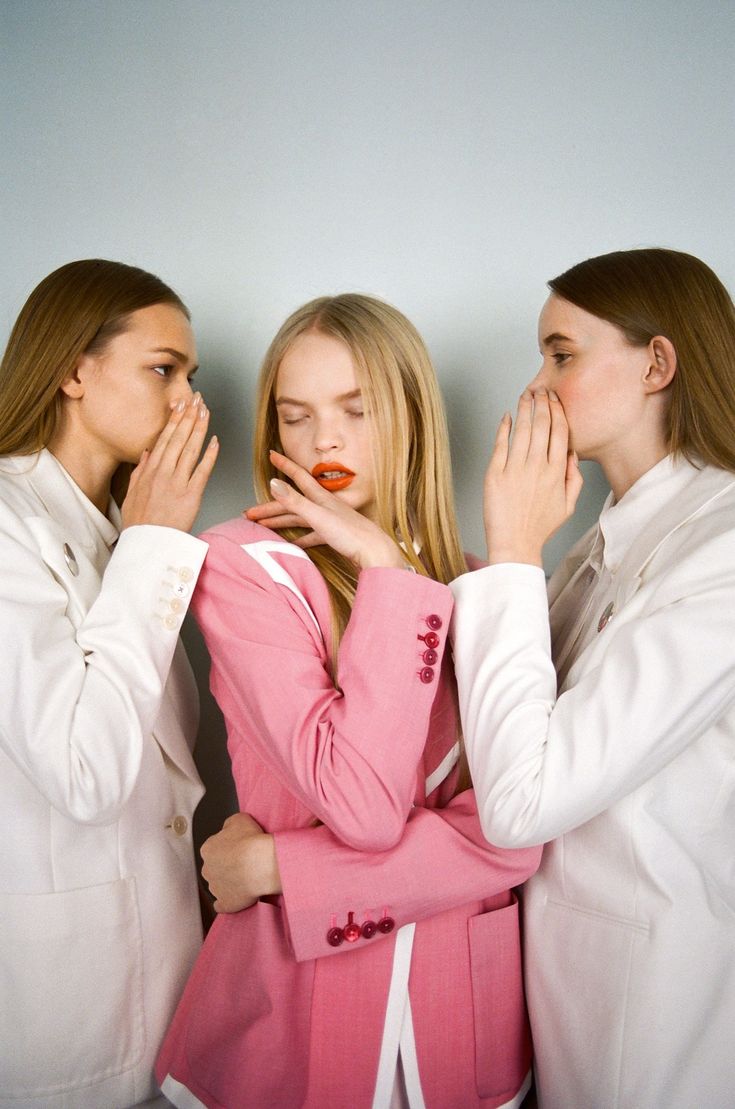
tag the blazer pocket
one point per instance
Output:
(72, 988)
(249, 1009)
(502, 1033)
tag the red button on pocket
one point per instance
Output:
(426, 675)
(434, 621)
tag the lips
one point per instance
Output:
(333, 476)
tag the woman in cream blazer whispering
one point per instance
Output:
(608, 725)
(99, 917)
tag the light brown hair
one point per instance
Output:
(76, 310)
(411, 447)
(656, 291)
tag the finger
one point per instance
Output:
(538, 446)
(499, 456)
(189, 439)
(175, 418)
(519, 444)
(573, 482)
(170, 444)
(306, 483)
(559, 437)
(278, 523)
(203, 472)
(135, 474)
(268, 511)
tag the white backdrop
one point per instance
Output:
(448, 156)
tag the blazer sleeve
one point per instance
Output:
(349, 754)
(77, 701)
(441, 862)
(541, 765)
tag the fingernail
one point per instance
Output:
(195, 399)
(553, 395)
(278, 486)
(214, 442)
(181, 405)
(541, 391)
(203, 410)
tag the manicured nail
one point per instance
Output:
(203, 410)
(541, 391)
(213, 442)
(181, 405)
(195, 400)
(278, 486)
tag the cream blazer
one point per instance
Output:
(99, 918)
(630, 772)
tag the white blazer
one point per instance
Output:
(630, 920)
(99, 917)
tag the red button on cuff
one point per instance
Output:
(386, 924)
(431, 639)
(434, 621)
(426, 675)
(369, 928)
(430, 657)
(352, 930)
(335, 937)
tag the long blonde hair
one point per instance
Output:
(76, 310)
(410, 444)
(653, 292)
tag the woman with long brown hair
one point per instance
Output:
(377, 959)
(607, 726)
(99, 918)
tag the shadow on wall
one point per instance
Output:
(210, 753)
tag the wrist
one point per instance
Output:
(266, 867)
(530, 556)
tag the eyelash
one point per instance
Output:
(560, 357)
(300, 419)
(163, 366)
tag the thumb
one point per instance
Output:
(573, 481)
(280, 490)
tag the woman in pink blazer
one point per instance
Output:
(377, 962)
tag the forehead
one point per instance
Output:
(316, 365)
(561, 319)
(159, 326)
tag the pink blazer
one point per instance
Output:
(397, 927)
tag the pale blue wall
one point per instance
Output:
(449, 156)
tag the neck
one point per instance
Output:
(92, 473)
(623, 471)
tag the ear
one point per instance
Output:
(661, 366)
(73, 385)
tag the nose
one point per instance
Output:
(183, 389)
(539, 380)
(327, 437)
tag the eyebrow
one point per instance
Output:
(556, 337)
(174, 354)
(352, 395)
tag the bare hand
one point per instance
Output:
(240, 864)
(331, 520)
(167, 485)
(532, 482)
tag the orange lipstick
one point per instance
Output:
(333, 476)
